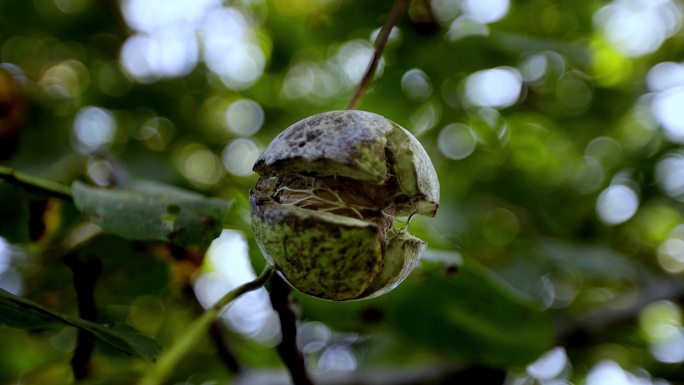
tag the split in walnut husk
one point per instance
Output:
(324, 209)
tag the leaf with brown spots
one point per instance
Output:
(153, 211)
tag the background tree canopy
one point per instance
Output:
(555, 127)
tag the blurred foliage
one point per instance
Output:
(20, 313)
(555, 128)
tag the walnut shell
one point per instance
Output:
(323, 211)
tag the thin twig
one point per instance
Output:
(257, 283)
(287, 348)
(85, 275)
(33, 183)
(224, 351)
(194, 333)
(380, 42)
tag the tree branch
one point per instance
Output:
(218, 333)
(380, 41)
(418, 375)
(35, 184)
(287, 348)
(85, 275)
(580, 332)
(197, 329)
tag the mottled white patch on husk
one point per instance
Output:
(342, 143)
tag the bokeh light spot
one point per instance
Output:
(573, 92)
(670, 175)
(416, 84)
(465, 26)
(660, 324)
(150, 15)
(671, 255)
(394, 36)
(166, 43)
(497, 87)
(338, 358)
(229, 266)
(156, 133)
(485, 11)
(313, 337)
(671, 350)
(533, 67)
(610, 66)
(425, 117)
(638, 27)
(353, 57)
(549, 365)
(313, 81)
(319, 80)
(657, 319)
(10, 279)
(665, 75)
(606, 150)
(668, 111)
(169, 52)
(100, 172)
(65, 80)
(239, 156)
(244, 117)
(5, 255)
(199, 165)
(93, 129)
(445, 10)
(617, 204)
(589, 175)
(457, 141)
(608, 372)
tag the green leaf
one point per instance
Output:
(470, 314)
(594, 261)
(153, 211)
(18, 312)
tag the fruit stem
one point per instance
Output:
(198, 328)
(380, 42)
